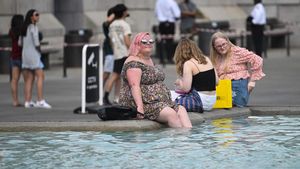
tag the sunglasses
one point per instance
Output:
(147, 42)
(37, 14)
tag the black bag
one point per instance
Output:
(116, 112)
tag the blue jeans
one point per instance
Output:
(240, 94)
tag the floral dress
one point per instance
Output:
(155, 94)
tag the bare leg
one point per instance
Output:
(28, 79)
(110, 81)
(39, 73)
(105, 77)
(184, 117)
(14, 84)
(169, 116)
(117, 89)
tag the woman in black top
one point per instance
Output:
(196, 72)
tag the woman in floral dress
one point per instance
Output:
(143, 87)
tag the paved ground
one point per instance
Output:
(278, 92)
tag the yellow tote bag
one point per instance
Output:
(224, 94)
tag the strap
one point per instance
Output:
(196, 65)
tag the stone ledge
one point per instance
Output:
(142, 125)
(126, 125)
(267, 111)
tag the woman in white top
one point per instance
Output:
(31, 60)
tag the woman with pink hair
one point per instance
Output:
(143, 87)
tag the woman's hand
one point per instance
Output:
(140, 114)
(251, 86)
(178, 84)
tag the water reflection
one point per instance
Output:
(224, 130)
(247, 142)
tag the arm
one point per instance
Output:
(127, 34)
(175, 10)
(188, 13)
(134, 79)
(217, 77)
(127, 40)
(35, 34)
(185, 83)
(256, 64)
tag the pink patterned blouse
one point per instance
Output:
(236, 67)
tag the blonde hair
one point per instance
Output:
(185, 50)
(214, 55)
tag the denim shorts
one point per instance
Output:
(108, 63)
(15, 63)
(240, 94)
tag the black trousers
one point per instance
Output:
(167, 44)
(258, 38)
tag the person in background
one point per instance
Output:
(258, 19)
(119, 33)
(167, 12)
(243, 67)
(143, 87)
(16, 56)
(107, 49)
(31, 60)
(188, 14)
(196, 72)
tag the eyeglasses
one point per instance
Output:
(37, 14)
(149, 42)
(223, 45)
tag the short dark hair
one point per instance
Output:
(257, 1)
(119, 9)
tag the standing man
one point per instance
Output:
(258, 21)
(188, 15)
(119, 33)
(167, 12)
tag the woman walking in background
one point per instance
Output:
(31, 60)
(16, 56)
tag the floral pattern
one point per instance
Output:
(155, 94)
(237, 67)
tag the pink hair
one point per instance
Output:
(135, 46)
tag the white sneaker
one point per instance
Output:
(30, 104)
(116, 101)
(43, 104)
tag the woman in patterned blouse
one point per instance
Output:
(143, 87)
(243, 67)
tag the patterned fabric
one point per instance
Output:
(236, 68)
(191, 101)
(155, 94)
